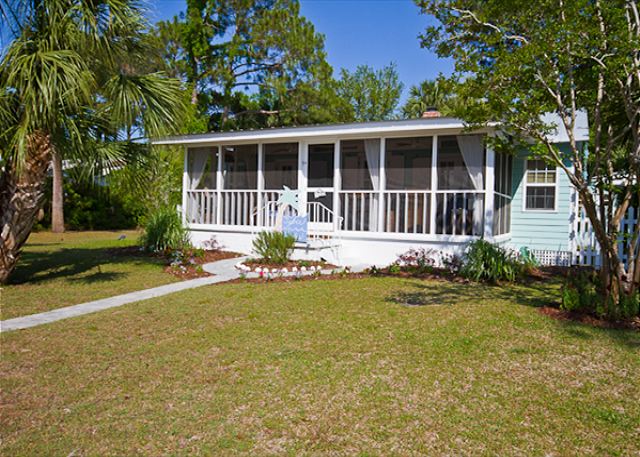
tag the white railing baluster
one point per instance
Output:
(415, 213)
(424, 213)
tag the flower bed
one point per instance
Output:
(257, 269)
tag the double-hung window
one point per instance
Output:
(541, 182)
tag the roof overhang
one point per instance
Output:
(328, 132)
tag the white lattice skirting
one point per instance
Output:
(553, 258)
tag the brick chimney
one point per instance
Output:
(431, 112)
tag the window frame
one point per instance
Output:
(555, 185)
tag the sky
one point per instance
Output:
(372, 32)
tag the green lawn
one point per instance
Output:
(338, 367)
(57, 270)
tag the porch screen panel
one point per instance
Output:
(460, 193)
(360, 172)
(280, 166)
(239, 199)
(240, 167)
(202, 165)
(408, 182)
(502, 194)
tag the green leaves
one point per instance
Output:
(252, 63)
(74, 72)
(372, 94)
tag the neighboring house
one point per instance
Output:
(374, 190)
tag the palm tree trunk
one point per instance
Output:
(21, 197)
(57, 195)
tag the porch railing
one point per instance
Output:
(456, 212)
(409, 211)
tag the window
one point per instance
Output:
(281, 166)
(540, 186)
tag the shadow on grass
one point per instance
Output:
(448, 293)
(99, 276)
(34, 267)
(534, 294)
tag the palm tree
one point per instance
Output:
(67, 87)
(439, 93)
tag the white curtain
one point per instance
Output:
(372, 153)
(197, 161)
(472, 151)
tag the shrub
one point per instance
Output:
(580, 290)
(163, 231)
(274, 247)
(484, 261)
(583, 292)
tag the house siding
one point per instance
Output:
(540, 229)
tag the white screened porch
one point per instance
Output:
(431, 187)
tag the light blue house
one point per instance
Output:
(371, 191)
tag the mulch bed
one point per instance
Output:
(189, 271)
(196, 271)
(589, 319)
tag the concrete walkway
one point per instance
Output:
(223, 270)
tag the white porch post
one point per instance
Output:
(303, 156)
(260, 183)
(219, 185)
(337, 185)
(489, 191)
(383, 186)
(434, 185)
(185, 185)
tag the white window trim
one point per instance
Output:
(556, 185)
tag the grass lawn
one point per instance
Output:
(338, 367)
(57, 270)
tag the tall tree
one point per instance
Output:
(524, 59)
(252, 63)
(64, 87)
(372, 94)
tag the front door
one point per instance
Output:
(320, 164)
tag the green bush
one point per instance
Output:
(89, 207)
(629, 306)
(580, 290)
(274, 247)
(163, 231)
(484, 261)
(583, 292)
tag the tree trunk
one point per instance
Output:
(57, 194)
(21, 197)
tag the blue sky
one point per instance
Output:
(373, 32)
